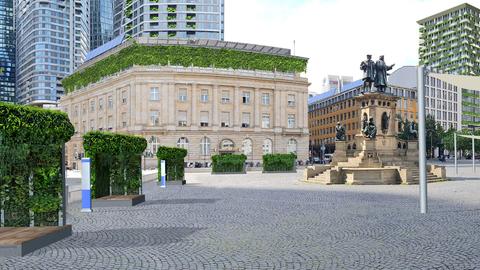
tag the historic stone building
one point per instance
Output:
(325, 110)
(203, 109)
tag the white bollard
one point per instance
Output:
(86, 191)
(163, 182)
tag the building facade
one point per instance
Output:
(451, 99)
(101, 22)
(204, 110)
(7, 51)
(52, 40)
(327, 109)
(450, 41)
(183, 19)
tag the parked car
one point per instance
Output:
(316, 160)
(328, 158)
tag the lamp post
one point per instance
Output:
(422, 139)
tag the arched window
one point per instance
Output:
(292, 146)
(267, 146)
(182, 143)
(227, 145)
(205, 146)
(247, 147)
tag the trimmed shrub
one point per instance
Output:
(228, 163)
(175, 162)
(144, 55)
(31, 141)
(116, 163)
(279, 162)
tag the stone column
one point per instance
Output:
(193, 102)
(171, 104)
(257, 117)
(215, 101)
(165, 100)
(237, 101)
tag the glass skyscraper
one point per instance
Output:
(7, 51)
(101, 26)
(184, 19)
(52, 40)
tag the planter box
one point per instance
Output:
(118, 201)
(23, 240)
(294, 171)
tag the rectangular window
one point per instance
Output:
(291, 100)
(110, 102)
(265, 121)
(92, 106)
(182, 95)
(182, 118)
(225, 119)
(75, 113)
(246, 98)
(100, 104)
(204, 96)
(265, 99)
(245, 120)
(154, 118)
(204, 119)
(110, 122)
(100, 123)
(154, 94)
(124, 97)
(291, 121)
(124, 120)
(92, 124)
(84, 126)
(225, 97)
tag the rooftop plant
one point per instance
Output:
(186, 56)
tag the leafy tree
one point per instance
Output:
(434, 134)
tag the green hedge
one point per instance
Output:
(116, 163)
(31, 141)
(175, 162)
(228, 163)
(279, 162)
(186, 56)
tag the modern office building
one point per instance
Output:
(207, 110)
(453, 100)
(101, 22)
(450, 41)
(182, 19)
(52, 40)
(326, 109)
(336, 82)
(7, 51)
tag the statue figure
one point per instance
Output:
(413, 130)
(371, 130)
(368, 67)
(340, 133)
(385, 122)
(381, 74)
(364, 123)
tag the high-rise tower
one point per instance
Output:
(53, 38)
(7, 51)
(450, 41)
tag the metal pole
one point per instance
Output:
(455, 152)
(65, 192)
(473, 153)
(422, 159)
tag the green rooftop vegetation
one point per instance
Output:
(143, 55)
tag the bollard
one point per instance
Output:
(86, 192)
(163, 183)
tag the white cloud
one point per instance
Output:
(335, 35)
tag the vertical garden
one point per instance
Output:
(116, 163)
(31, 175)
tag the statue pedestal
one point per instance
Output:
(340, 154)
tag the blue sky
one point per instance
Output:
(335, 34)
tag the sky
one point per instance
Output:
(336, 35)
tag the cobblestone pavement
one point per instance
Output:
(273, 222)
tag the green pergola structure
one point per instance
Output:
(473, 137)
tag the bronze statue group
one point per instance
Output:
(375, 73)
